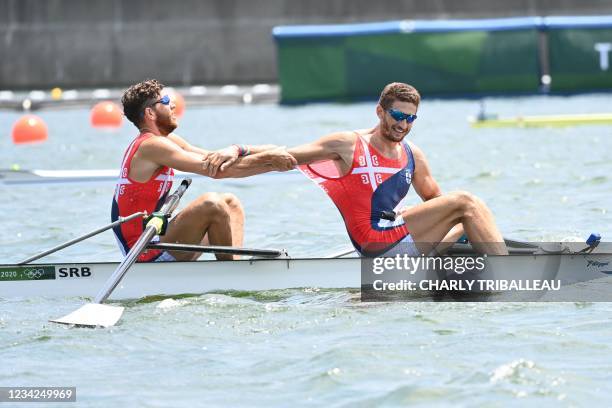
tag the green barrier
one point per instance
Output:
(312, 70)
(443, 63)
(579, 54)
(448, 58)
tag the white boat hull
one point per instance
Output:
(174, 278)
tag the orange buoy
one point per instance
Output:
(179, 102)
(106, 115)
(29, 129)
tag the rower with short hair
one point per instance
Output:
(367, 174)
(147, 171)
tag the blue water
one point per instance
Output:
(312, 347)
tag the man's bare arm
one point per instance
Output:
(162, 152)
(221, 159)
(185, 145)
(254, 149)
(337, 146)
(423, 182)
(269, 160)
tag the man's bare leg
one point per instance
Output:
(236, 219)
(236, 223)
(431, 221)
(450, 239)
(218, 217)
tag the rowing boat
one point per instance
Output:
(543, 120)
(275, 270)
(566, 264)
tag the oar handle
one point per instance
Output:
(174, 198)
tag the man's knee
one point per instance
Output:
(213, 205)
(232, 201)
(466, 202)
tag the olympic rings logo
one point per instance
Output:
(34, 273)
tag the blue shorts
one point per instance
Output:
(165, 257)
(405, 247)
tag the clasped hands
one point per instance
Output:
(219, 160)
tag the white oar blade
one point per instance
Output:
(92, 315)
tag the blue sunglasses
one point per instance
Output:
(164, 100)
(399, 116)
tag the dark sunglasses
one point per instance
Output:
(164, 100)
(399, 116)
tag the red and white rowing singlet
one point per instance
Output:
(131, 197)
(374, 184)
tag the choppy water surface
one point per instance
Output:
(313, 347)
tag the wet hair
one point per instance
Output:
(136, 98)
(398, 91)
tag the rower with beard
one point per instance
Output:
(147, 170)
(367, 174)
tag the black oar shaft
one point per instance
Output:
(268, 253)
(150, 231)
(121, 220)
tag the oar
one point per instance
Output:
(214, 249)
(121, 220)
(96, 314)
(31, 177)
